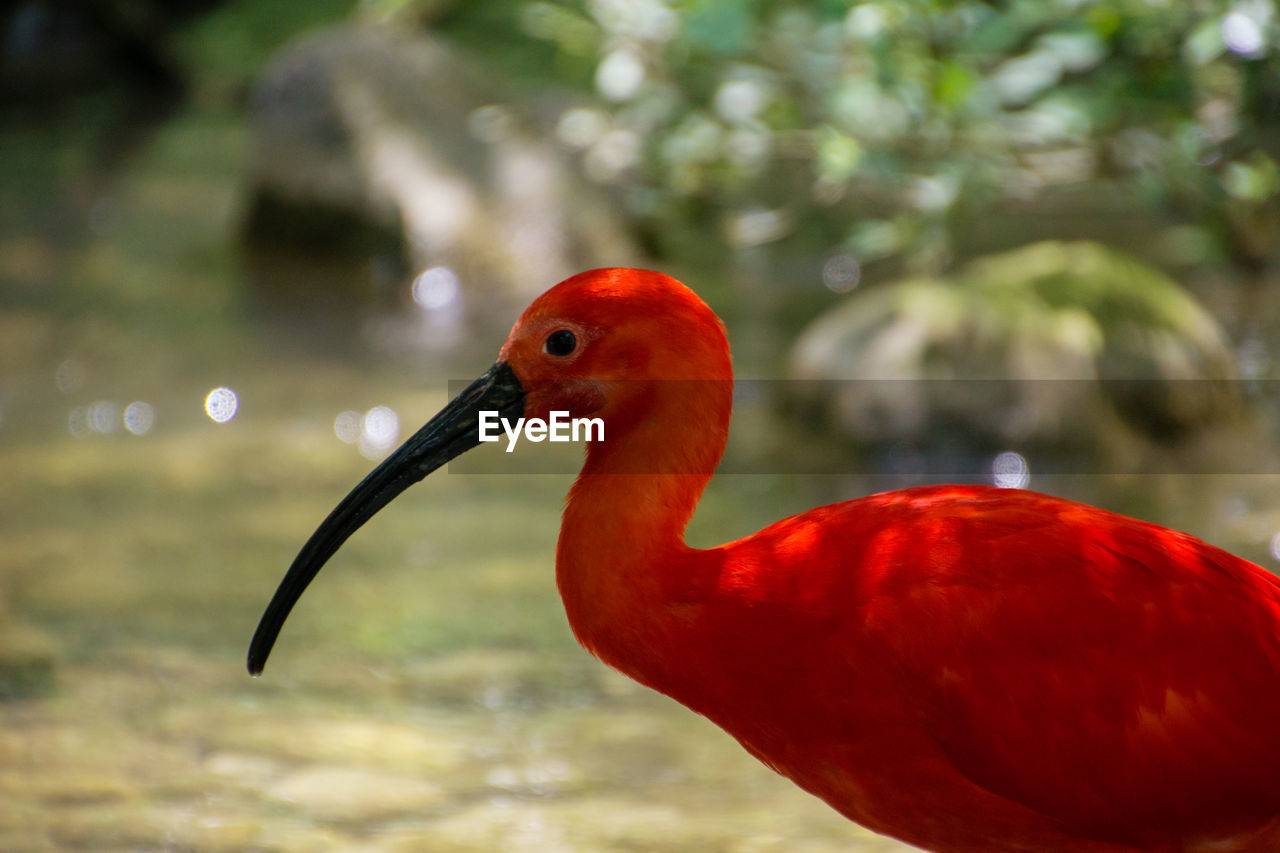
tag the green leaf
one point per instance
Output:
(720, 26)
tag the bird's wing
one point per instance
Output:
(1100, 670)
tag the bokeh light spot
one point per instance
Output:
(436, 288)
(580, 128)
(70, 376)
(139, 417)
(104, 416)
(620, 75)
(347, 426)
(1241, 34)
(221, 404)
(841, 273)
(614, 153)
(740, 100)
(1009, 470)
(380, 430)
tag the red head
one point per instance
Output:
(633, 347)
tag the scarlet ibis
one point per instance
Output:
(964, 668)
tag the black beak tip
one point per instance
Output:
(451, 432)
(256, 660)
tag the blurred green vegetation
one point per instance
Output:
(882, 128)
(238, 37)
(889, 131)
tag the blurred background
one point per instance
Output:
(245, 245)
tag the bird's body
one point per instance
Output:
(964, 668)
(1092, 683)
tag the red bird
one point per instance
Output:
(963, 668)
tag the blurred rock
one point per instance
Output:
(378, 154)
(1029, 347)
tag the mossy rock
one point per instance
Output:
(1029, 346)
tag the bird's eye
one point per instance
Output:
(560, 342)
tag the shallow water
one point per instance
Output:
(427, 693)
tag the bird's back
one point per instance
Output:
(920, 657)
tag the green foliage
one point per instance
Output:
(230, 45)
(899, 118)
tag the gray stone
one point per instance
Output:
(1053, 317)
(378, 153)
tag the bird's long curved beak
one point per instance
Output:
(452, 432)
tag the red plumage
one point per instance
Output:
(962, 667)
(1001, 667)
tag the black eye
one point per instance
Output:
(560, 342)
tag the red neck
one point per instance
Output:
(621, 551)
